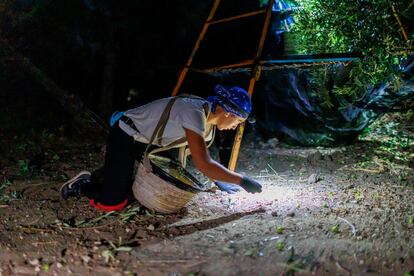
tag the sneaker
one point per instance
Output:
(72, 187)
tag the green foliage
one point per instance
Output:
(280, 246)
(112, 252)
(263, 2)
(335, 229)
(3, 186)
(359, 195)
(395, 143)
(280, 230)
(393, 146)
(6, 195)
(366, 26)
(24, 168)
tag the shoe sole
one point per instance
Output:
(73, 179)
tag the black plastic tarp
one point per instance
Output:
(287, 107)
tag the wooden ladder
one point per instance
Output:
(254, 62)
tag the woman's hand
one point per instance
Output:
(251, 185)
(227, 187)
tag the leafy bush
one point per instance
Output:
(366, 26)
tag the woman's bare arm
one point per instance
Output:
(205, 164)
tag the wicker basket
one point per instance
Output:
(157, 190)
(154, 187)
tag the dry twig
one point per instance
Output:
(35, 228)
(350, 224)
(380, 169)
(338, 265)
(275, 172)
(44, 242)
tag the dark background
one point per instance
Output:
(114, 55)
(58, 56)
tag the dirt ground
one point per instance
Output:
(323, 211)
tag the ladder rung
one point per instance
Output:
(236, 17)
(228, 66)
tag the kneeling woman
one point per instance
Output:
(190, 120)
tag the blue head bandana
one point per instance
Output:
(234, 100)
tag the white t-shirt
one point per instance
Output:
(185, 113)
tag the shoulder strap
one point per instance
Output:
(169, 146)
(213, 136)
(161, 124)
(159, 129)
(165, 120)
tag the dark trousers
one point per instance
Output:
(112, 185)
